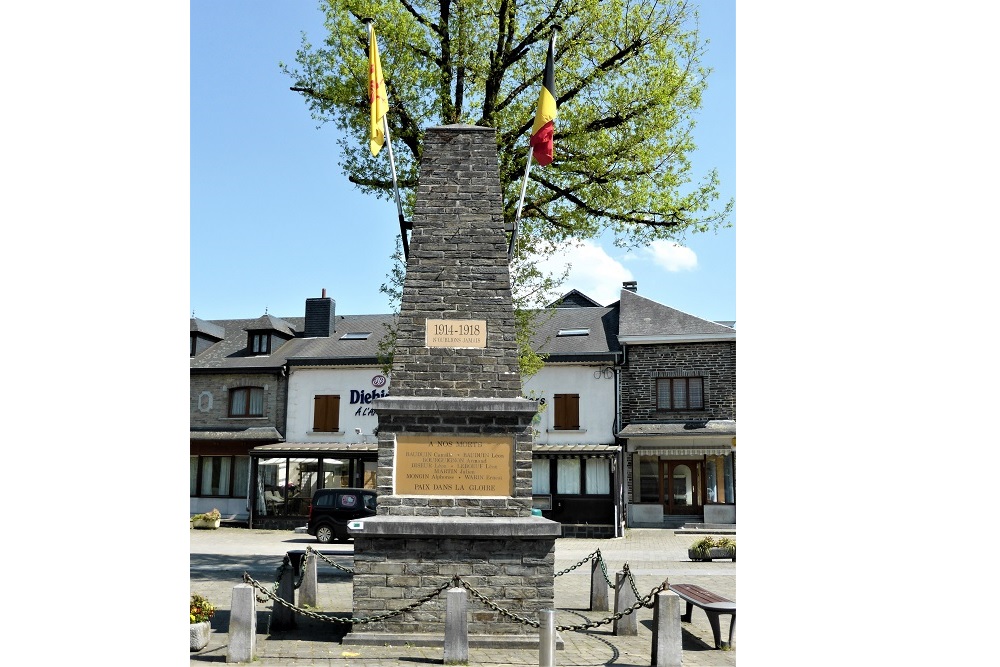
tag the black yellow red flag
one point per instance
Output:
(543, 131)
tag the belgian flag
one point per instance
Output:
(543, 131)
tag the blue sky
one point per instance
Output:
(266, 192)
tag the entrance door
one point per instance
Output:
(681, 487)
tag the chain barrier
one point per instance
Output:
(600, 559)
(456, 581)
(247, 579)
(326, 560)
(631, 580)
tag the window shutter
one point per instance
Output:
(567, 411)
(326, 413)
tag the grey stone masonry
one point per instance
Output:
(457, 269)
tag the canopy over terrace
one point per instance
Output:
(287, 474)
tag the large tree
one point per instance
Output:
(628, 81)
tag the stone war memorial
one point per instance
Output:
(455, 438)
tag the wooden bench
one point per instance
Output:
(714, 605)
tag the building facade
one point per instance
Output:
(636, 425)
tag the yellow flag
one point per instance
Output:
(376, 92)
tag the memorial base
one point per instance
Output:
(399, 560)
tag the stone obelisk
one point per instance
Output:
(455, 438)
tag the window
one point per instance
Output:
(226, 476)
(568, 476)
(679, 394)
(356, 335)
(540, 476)
(246, 402)
(567, 412)
(598, 478)
(260, 343)
(572, 332)
(326, 413)
(194, 345)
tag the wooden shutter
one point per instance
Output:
(326, 413)
(567, 412)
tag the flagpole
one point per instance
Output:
(520, 204)
(395, 187)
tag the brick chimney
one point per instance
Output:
(631, 286)
(320, 317)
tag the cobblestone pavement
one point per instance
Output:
(220, 557)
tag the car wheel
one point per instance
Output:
(324, 534)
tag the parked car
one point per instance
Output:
(332, 509)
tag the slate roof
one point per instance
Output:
(207, 328)
(646, 319)
(633, 319)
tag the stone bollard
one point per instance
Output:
(309, 590)
(456, 628)
(624, 599)
(667, 650)
(242, 625)
(547, 638)
(283, 618)
(598, 587)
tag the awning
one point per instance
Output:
(713, 437)
(281, 461)
(256, 433)
(585, 451)
(314, 450)
(710, 427)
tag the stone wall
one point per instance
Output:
(715, 362)
(517, 574)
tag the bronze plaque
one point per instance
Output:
(454, 465)
(455, 333)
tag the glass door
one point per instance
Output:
(681, 487)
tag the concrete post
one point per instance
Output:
(547, 638)
(283, 618)
(624, 599)
(456, 628)
(308, 591)
(598, 587)
(667, 650)
(242, 625)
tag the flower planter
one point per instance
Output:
(200, 632)
(206, 523)
(713, 553)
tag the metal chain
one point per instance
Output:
(573, 567)
(642, 602)
(495, 607)
(330, 562)
(604, 569)
(344, 621)
(631, 580)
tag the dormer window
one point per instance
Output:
(260, 343)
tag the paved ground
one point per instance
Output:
(220, 557)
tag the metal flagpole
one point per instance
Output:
(395, 187)
(520, 204)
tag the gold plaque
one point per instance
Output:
(455, 333)
(454, 465)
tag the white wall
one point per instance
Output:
(348, 383)
(597, 403)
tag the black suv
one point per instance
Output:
(332, 509)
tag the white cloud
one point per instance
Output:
(671, 256)
(593, 272)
